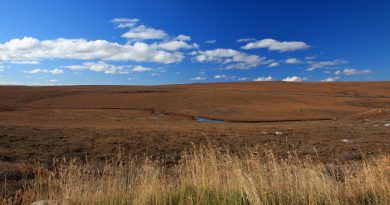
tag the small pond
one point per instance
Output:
(202, 119)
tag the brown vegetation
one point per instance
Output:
(40, 123)
(211, 175)
(335, 123)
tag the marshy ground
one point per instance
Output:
(331, 122)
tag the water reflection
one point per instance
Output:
(202, 119)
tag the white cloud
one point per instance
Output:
(57, 71)
(231, 58)
(211, 41)
(38, 70)
(125, 22)
(292, 61)
(198, 78)
(183, 38)
(101, 67)
(243, 78)
(25, 62)
(220, 76)
(352, 71)
(21, 44)
(294, 79)
(53, 80)
(274, 64)
(175, 45)
(143, 32)
(223, 76)
(321, 64)
(269, 78)
(142, 69)
(31, 49)
(243, 40)
(275, 45)
(161, 70)
(330, 79)
(311, 57)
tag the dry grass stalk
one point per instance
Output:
(210, 175)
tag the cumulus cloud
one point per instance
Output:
(175, 45)
(274, 64)
(198, 78)
(313, 65)
(143, 32)
(352, 71)
(311, 57)
(244, 40)
(38, 70)
(57, 71)
(125, 22)
(183, 38)
(269, 78)
(224, 76)
(101, 67)
(25, 62)
(294, 79)
(242, 78)
(211, 41)
(231, 58)
(274, 45)
(31, 49)
(331, 79)
(292, 61)
(220, 76)
(142, 69)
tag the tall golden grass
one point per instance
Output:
(210, 175)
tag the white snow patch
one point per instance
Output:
(345, 141)
(278, 133)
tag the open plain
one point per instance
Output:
(330, 121)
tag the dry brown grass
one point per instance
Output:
(210, 175)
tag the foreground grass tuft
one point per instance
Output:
(209, 175)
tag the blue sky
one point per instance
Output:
(53, 42)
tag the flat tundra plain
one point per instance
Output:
(338, 121)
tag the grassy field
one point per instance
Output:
(211, 175)
(41, 123)
(315, 134)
